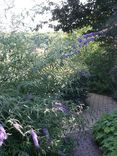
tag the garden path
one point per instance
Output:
(99, 104)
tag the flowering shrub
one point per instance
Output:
(87, 38)
(84, 40)
(40, 92)
(32, 128)
(34, 119)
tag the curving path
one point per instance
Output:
(99, 104)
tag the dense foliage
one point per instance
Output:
(100, 63)
(100, 59)
(44, 80)
(105, 133)
(76, 87)
(33, 72)
(74, 14)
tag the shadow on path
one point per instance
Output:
(99, 104)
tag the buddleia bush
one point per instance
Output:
(34, 119)
(20, 116)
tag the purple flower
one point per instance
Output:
(86, 42)
(80, 40)
(35, 139)
(89, 35)
(89, 40)
(3, 135)
(47, 135)
(61, 107)
(81, 45)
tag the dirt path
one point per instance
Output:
(98, 105)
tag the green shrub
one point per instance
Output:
(100, 58)
(36, 114)
(99, 62)
(105, 133)
(76, 87)
(30, 84)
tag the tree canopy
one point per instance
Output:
(96, 13)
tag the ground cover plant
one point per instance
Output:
(105, 134)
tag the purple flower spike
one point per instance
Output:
(91, 39)
(3, 135)
(88, 41)
(61, 107)
(89, 35)
(46, 133)
(35, 139)
(80, 40)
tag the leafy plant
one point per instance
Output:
(19, 116)
(105, 134)
(76, 87)
(30, 84)
(100, 60)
